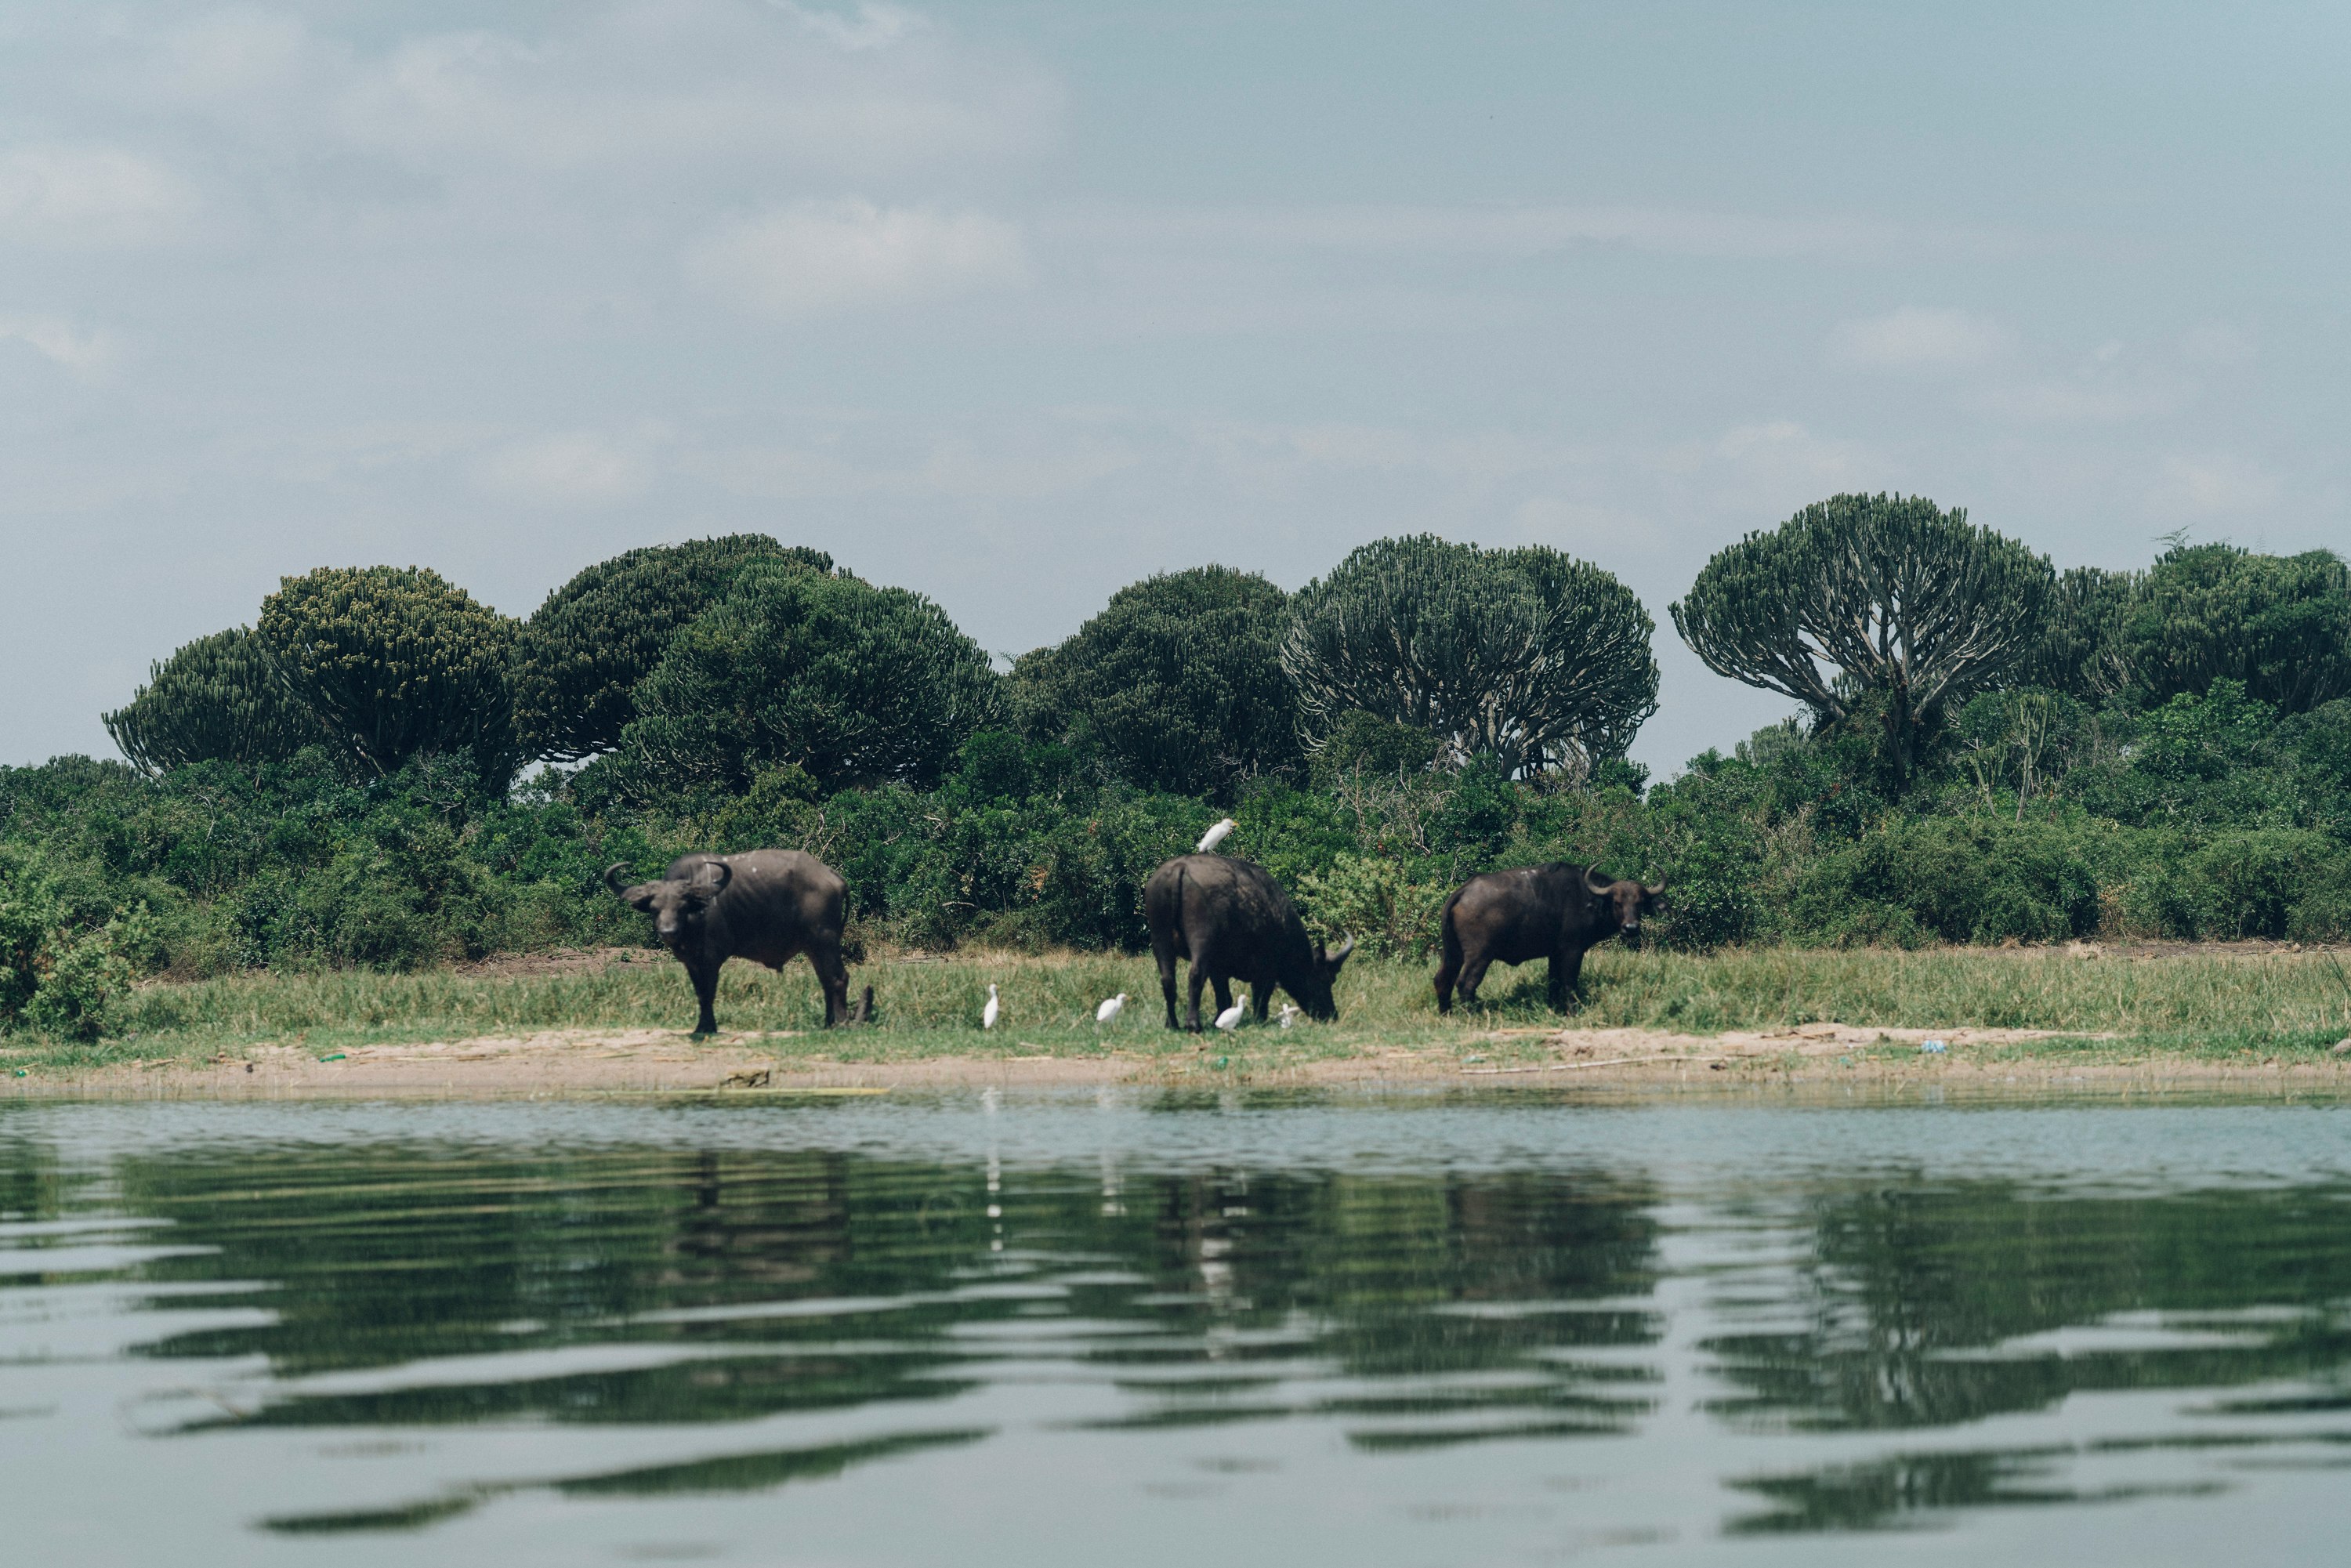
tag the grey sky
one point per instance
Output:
(1014, 303)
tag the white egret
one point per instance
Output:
(1109, 1009)
(1230, 1019)
(1218, 834)
(992, 1011)
(1287, 1015)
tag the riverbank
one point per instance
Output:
(608, 1021)
(665, 1063)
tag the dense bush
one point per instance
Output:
(1178, 684)
(1524, 659)
(395, 662)
(580, 657)
(2280, 626)
(218, 699)
(853, 684)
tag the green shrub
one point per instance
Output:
(1177, 683)
(1978, 879)
(852, 683)
(580, 656)
(395, 662)
(1377, 902)
(82, 994)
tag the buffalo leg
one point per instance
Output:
(705, 992)
(1197, 978)
(1447, 973)
(1260, 997)
(1165, 954)
(1473, 975)
(834, 976)
(1224, 994)
(1567, 979)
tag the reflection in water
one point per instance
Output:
(1812, 1346)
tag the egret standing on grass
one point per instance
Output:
(1109, 1009)
(1230, 1019)
(991, 1012)
(1218, 834)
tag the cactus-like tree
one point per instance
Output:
(1871, 602)
(582, 653)
(852, 683)
(1178, 681)
(1527, 658)
(215, 699)
(2279, 624)
(2082, 651)
(395, 662)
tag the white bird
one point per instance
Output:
(1218, 834)
(1230, 1019)
(1287, 1015)
(992, 1011)
(1109, 1009)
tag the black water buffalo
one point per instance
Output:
(1552, 912)
(766, 906)
(1234, 922)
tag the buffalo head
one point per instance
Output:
(677, 905)
(1629, 898)
(1313, 989)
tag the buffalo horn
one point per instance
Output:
(1655, 888)
(1344, 948)
(1594, 882)
(612, 876)
(726, 873)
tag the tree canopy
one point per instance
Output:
(2281, 625)
(1871, 602)
(1177, 683)
(581, 655)
(395, 662)
(216, 699)
(1526, 657)
(852, 683)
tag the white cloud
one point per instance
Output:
(85, 355)
(569, 470)
(713, 84)
(874, 27)
(2217, 345)
(1920, 340)
(821, 258)
(1521, 231)
(90, 196)
(2216, 486)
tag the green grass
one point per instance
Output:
(2207, 1004)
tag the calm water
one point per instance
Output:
(1140, 1329)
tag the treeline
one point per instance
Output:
(380, 771)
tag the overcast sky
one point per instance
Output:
(1014, 303)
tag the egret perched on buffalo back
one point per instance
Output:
(1109, 1009)
(1218, 834)
(991, 1012)
(1230, 1019)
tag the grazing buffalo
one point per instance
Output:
(1233, 921)
(766, 906)
(1552, 912)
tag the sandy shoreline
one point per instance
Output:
(591, 1062)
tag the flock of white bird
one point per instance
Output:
(1227, 1021)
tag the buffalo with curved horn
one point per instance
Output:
(766, 906)
(1555, 911)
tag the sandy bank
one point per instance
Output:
(591, 1061)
